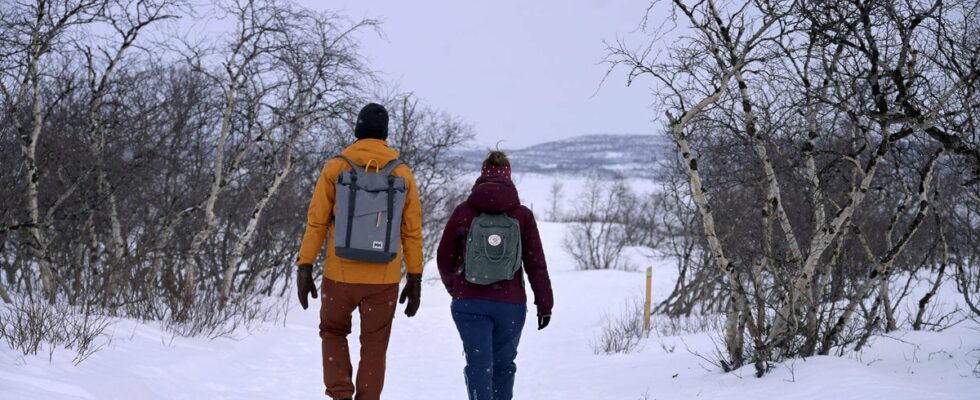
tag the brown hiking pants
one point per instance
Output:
(376, 304)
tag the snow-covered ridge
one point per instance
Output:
(617, 155)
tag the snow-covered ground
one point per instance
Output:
(282, 361)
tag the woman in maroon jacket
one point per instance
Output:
(490, 317)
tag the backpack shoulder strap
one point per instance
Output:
(357, 168)
(390, 167)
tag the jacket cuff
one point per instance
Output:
(413, 271)
(301, 261)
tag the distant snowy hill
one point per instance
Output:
(619, 155)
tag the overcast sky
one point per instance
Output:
(524, 72)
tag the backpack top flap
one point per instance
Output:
(493, 249)
(370, 181)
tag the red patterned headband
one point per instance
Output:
(496, 171)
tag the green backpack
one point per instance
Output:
(493, 249)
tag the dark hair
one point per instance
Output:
(496, 158)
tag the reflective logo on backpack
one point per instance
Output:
(378, 245)
(494, 240)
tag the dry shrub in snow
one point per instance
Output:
(622, 333)
(28, 326)
(666, 325)
(244, 313)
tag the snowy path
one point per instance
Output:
(425, 359)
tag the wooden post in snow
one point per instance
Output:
(647, 304)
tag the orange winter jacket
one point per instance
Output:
(320, 219)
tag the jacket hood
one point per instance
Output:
(373, 151)
(494, 193)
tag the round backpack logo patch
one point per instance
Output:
(494, 240)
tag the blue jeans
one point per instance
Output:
(490, 331)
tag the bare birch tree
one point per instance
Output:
(34, 32)
(829, 82)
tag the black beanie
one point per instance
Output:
(372, 122)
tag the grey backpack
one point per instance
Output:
(493, 249)
(368, 213)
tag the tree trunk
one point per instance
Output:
(883, 266)
(217, 184)
(787, 318)
(236, 256)
(29, 151)
(924, 301)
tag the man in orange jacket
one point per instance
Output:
(349, 284)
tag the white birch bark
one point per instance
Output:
(245, 53)
(217, 183)
(50, 23)
(268, 192)
(883, 265)
(29, 151)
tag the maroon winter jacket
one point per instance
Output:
(495, 193)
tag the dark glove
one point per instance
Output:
(543, 321)
(412, 293)
(305, 285)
